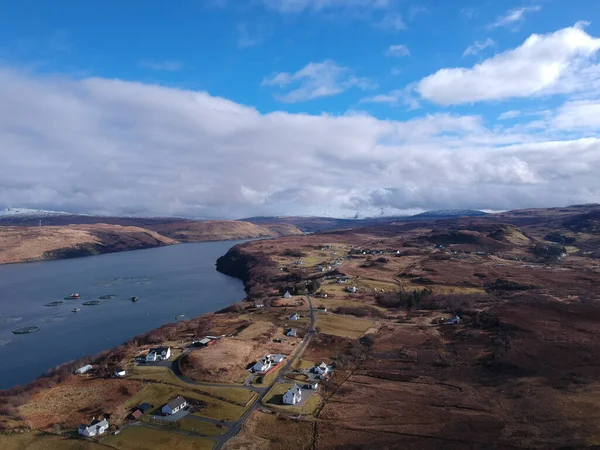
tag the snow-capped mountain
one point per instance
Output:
(26, 213)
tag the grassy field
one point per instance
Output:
(146, 438)
(344, 326)
(190, 424)
(303, 364)
(43, 441)
(444, 289)
(158, 394)
(275, 399)
(238, 396)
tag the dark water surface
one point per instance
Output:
(169, 281)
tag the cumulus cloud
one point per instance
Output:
(396, 97)
(478, 46)
(513, 17)
(397, 51)
(558, 62)
(316, 80)
(110, 146)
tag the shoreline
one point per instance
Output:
(97, 358)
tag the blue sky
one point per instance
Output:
(341, 86)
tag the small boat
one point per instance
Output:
(74, 296)
(134, 299)
(180, 316)
(75, 310)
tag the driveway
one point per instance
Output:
(173, 417)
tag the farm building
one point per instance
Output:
(84, 369)
(174, 406)
(204, 342)
(293, 395)
(95, 428)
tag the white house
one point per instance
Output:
(174, 406)
(352, 289)
(95, 428)
(287, 294)
(342, 280)
(292, 332)
(266, 363)
(293, 395)
(158, 354)
(120, 373)
(321, 369)
(84, 369)
(294, 316)
(314, 386)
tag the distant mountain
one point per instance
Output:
(26, 213)
(446, 213)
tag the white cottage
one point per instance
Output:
(95, 428)
(287, 294)
(321, 369)
(158, 354)
(174, 406)
(293, 395)
(294, 316)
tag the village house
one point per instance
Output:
(287, 294)
(294, 316)
(267, 363)
(320, 269)
(320, 369)
(158, 354)
(351, 290)
(312, 386)
(95, 428)
(293, 395)
(292, 332)
(174, 406)
(342, 280)
(259, 304)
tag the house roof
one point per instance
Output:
(144, 407)
(159, 350)
(94, 424)
(295, 389)
(137, 413)
(176, 402)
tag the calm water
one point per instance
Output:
(169, 281)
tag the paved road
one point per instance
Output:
(237, 426)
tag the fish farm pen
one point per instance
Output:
(92, 303)
(55, 303)
(26, 330)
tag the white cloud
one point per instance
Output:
(316, 80)
(168, 65)
(392, 21)
(478, 46)
(552, 63)
(578, 115)
(514, 16)
(414, 11)
(507, 115)
(111, 146)
(397, 51)
(294, 6)
(405, 97)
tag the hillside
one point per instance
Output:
(21, 244)
(221, 230)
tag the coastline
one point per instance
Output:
(66, 368)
